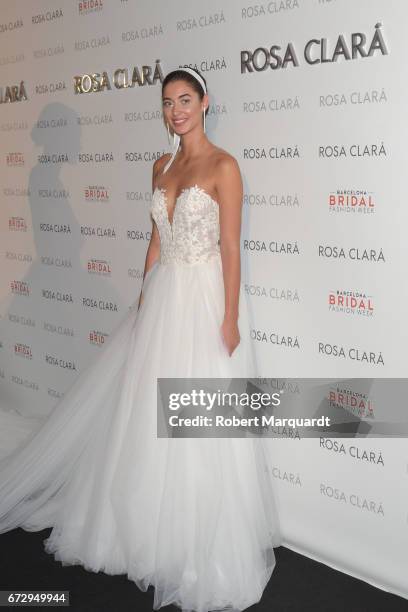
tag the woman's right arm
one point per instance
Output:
(153, 250)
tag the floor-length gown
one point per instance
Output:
(193, 517)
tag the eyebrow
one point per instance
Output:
(181, 96)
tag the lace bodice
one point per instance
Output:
(193, 236)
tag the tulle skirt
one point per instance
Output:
(195, 518)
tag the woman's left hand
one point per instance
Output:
(230, 334)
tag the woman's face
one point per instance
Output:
(182, 107)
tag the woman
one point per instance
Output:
(193, 517)
(199, 162)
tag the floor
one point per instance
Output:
(298, 584)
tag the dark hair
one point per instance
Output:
(180, 75)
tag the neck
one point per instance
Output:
(192, 144)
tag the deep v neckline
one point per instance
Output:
(166, 204)
(163, 191)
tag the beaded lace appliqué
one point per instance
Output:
(193, 236)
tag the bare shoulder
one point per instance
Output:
(225, 163)
(227, 172)
(159, 165)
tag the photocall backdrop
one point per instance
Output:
(310, 97)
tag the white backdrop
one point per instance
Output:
(321, 145)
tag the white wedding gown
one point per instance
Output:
(193, 517)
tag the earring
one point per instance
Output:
(168, 133)
(204, 119)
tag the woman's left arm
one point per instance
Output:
(229, 190)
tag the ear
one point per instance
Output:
(205, 101)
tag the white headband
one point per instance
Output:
(196, 76)
(176, 137)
